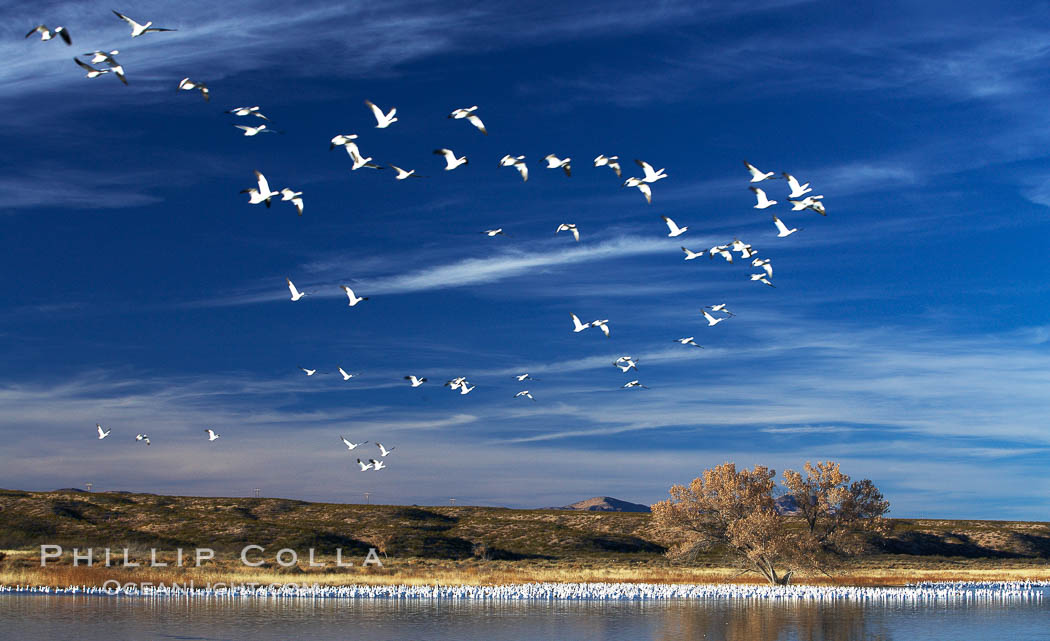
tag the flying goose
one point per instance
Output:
(349, 445)
(47, 34)
(211, 434)
(261, 193)
(492, 233)
(456, 383)
(625, 363)
(296, 294)
(757, 175)
(343, 140)
(106, 57)
(471, 117)
(345, 374)
(721, 307)
(295, 196)
(612, 162)
(764, 264)
(189, 85)
(711, 320)
(415, 381)
(634, 383)
(783, 231)
(359, 160)
(746, 251)
(762, 279)
(675, 230)
(254, 131)
(142, 437)
(569, 227)
(690, 255)
(651, 175)
(806, 203)
(402, 174)
(553, 162)
(602, 325)
(377, 465)
(524, 393)
(642, 186)
(451, 162)
(91, 71)
(102, 434)
(247, 111)
(763, 202)
(383, 451)
(139, 29)
(797, 190)
(722, 250)
(466, 388)
(364, 466)
(308, 372)
(524, 377)
(517, 162)
(688, 340)
(350, 295)
(577, 326)
(383, 120)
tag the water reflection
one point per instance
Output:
(95, 618)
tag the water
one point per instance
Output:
(96, 618)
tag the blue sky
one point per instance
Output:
(907, 336)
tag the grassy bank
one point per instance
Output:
(447, 545)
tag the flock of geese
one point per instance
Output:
(104, 62)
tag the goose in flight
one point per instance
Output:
(359, 160)
(612, 162)
(377, 465)
(349, 445)
(383, 120)
(809, 202)
(261, 193)
(688, 340)
(517, 162)
(350, 294)
(711, 320)
(247, 111)
(451, 162)
(763, 202)
(721, 307)
(569, 227)
(675, 230)
(625, 363)
(364, 466)
(402, 174)
(524, 377)
(762, 279)
(642, 186)
(383, 451)
(456, 383)
(634, 383)
(471, 116)
(189, 85)
(651, 175)
(415, 381)
(757, 175)
(797, 190)
(91, 71)
(295, 196)
(47, 34)
(746, 251)
(142, 437)
(343, 140)
(524, 393)
(102, 434)
(211, 434)
(602, 325)
(782, 230)
(553, 162)
(296, 294)
(254, 131)
(106, 57)
(139, 29)
(345, 374)
(690, 255)
(577, 326)
(722, 250)
(308, 372)
(98, 57)
(764, 264)
(466, 388)
(492, 233)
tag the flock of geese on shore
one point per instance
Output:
(102, 63)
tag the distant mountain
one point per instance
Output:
(605, 504)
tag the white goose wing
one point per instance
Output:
(675, 229)
(781, 227)
(474, 120)
(264, 187)
(377, 112)
(650, 173)
(291, 287)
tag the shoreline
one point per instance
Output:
(992, 591)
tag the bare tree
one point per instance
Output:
(736, 511)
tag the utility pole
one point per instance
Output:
(368, 500)
(255, 491)
(88, 486)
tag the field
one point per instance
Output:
(446, 545)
